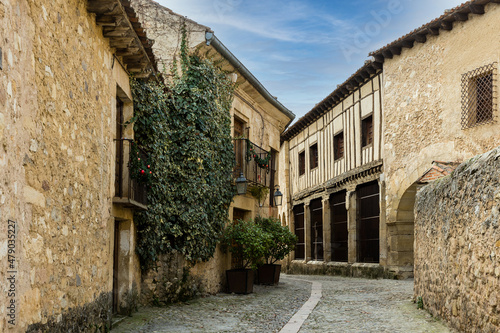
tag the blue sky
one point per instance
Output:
(301, 50)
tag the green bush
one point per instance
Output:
(247, 242)
(281, 241)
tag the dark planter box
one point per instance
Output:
(269, 274)
(240, 281)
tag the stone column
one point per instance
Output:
(327, 243)
(307, 232)
(351, 206)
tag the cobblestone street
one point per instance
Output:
(343, 305)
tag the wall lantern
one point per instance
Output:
(278, 196)
(241, 184)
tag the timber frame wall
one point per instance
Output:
(357, 165)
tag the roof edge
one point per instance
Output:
(211, 39)
(356, 80)
(443, 22)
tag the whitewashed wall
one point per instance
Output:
(345, 116)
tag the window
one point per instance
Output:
(367, 131)
(302, 163)
(339, 232)
(298, 216)
(313, 156)
(239, 145)
(477, 96)
(316, 208)
(368, 226)
(338, 142)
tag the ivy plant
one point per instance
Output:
(185, 127)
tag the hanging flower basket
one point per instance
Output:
(262, 163)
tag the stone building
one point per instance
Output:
(438, 103)
(67, 236)
(336, 184)
(258, 119)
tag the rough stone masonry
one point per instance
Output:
(457, 245)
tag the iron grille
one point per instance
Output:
(477, 96)
(128, 191)
(249, 161)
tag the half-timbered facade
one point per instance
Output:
(335, 179)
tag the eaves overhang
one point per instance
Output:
(356, 80)
(212, 40)
(121, 26)
(433, 28)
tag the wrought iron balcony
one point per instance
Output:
(129, 192)
(257, 164)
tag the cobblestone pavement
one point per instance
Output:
(346, 305)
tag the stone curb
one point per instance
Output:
(295, 323)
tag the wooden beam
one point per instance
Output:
(127, 51)
(433, 31)
(387, 54)
(476, 9)
(377, 65)
(461, 16)
(420, 38)
(446, 25)
(408, 43)
(365, 74)
(395, 50)
(379, 57)
(100, 7)
(359, 79)
(371, 70)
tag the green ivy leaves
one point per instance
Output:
(186, 130)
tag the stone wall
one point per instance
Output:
(457, 245)
(422, 115)
(57, 124)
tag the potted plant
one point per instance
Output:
(280, 243)
(246, 242)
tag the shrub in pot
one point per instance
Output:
(280, 243)
(247, 243)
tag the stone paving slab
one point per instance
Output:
(361, 305)
(343, 305)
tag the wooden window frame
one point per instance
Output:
(313, 156)
(367, 131)
(302, 163)
(338, 143)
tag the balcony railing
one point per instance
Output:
(129, 192)
(249, 158)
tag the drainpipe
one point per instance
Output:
(223, 50)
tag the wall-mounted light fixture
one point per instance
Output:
(241, 184)
(278, 196)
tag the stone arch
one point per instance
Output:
(400, 224)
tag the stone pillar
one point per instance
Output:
(291, 227)
(327, 242)
(307, 232)
(351, 206)
(382, 223)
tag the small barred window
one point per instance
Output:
(478, 96)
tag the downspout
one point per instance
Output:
(223, 50)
